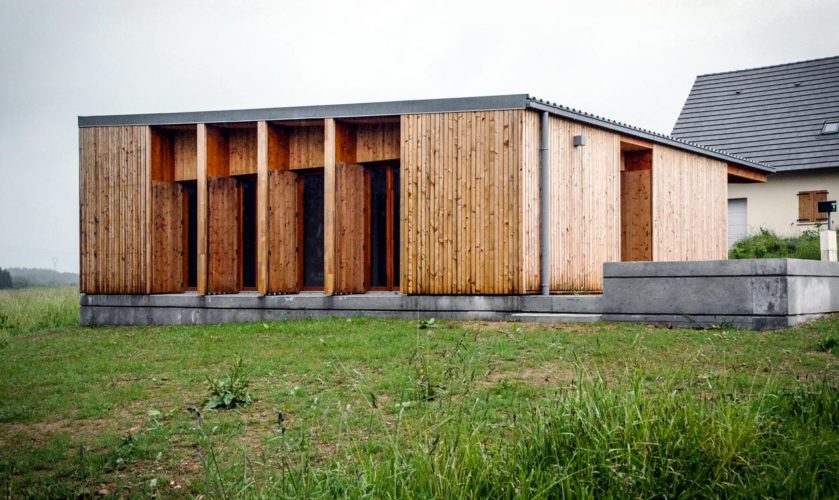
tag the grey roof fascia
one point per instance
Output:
(392, 108)
(622, 128)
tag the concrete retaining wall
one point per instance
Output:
(755, 294)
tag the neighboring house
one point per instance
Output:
(434, 197)
(784, 116)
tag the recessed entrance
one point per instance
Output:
(311, 233)
(636, 202)
(247, 232)
(190, 228)
(383, 227)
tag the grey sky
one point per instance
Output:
(631, 61)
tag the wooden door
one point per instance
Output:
(223, 235)
(350, 241)
(283, 249)
(168, 274)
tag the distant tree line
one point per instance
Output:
(5, 279)
(16, 277)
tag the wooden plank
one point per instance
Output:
(185, 154)
(223, 235)
(262, 208)
(306, 147)
(329, 190)
(741, 174)
(283, 226)
(377, 142)
(242, 150)
(201, 205)
(350, 222)
(167, 253)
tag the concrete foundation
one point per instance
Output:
(755, 294)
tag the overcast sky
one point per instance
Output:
(630, 61)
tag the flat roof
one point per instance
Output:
(393, 108)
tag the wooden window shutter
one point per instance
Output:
(805, 206)
(808, 202)
(817, 197)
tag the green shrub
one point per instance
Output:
(768, 245)
(230, 391)
(829, 343)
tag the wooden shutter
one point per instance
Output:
(817, 197)
(283, 251)
(808, 206)
(350, 218)
(168, 271)
(805, 206)
(223, 235)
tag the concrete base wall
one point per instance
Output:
(754, 294)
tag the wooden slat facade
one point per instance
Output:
(690, 207)
(469, 203)
(114, 177)
(461, 226)
(585, 205)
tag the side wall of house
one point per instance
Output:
(774, 205)
(461, 197)
(113, 200)
(690, 214)
(585, 205)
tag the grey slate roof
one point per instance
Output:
(773, 115)
(392, 108)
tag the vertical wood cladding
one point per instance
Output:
(350, 215)
(585, 205)
(283, 251)
(461, 217)
(223, 235)
(114, 176)
(167, 238)
(690, 219)
(469, 203)
(530, 202)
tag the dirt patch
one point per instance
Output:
(539, 376)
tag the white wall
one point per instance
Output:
(774, 204)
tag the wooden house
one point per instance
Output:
(470, 196)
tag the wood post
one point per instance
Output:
(262, 207)
(202, 208)
(329, 193)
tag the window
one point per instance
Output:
(383, 228)
(830, 127)
(808, 206)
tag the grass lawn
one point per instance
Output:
(376, 408)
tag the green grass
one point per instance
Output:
(33, 309)
(383, 408)
(768, 245)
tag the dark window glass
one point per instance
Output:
(313, 231)
(191, 219)
(396, 187)
(248, 185)
(378, 227)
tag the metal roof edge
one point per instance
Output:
(623, 128)
(386, 108)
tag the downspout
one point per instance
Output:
(545, 208)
